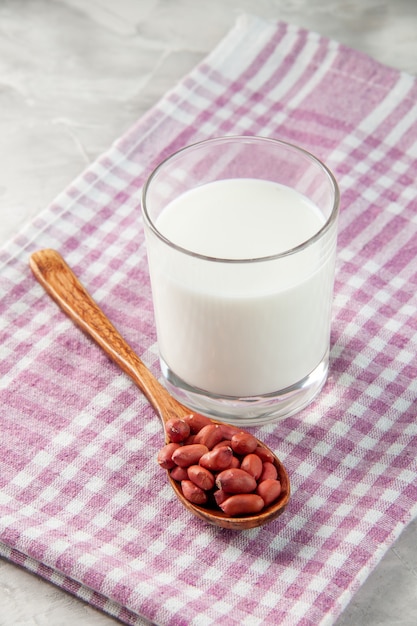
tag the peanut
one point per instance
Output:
(201, 477)
(209, 435)
(217, 459)
(220, 465)
(269, 490)
(235, 480)
(268, 471)
(193, 493)
(165, 455)
(184, 456)
(264, 454)
(235, 462)
(229, 430)
(241, 504)
(196, 421)
(243, 443)
(252, 464)
(179, 473)
(177, 430)
(220, 496)
(223, 442)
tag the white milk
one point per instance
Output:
(241, 328)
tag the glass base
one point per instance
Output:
(253, 410)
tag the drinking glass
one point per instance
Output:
(241, 237)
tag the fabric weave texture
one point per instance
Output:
(83, 502)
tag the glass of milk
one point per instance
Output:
(241, 241)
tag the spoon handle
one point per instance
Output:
(63, 286)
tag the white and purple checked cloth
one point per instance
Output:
(83, 502)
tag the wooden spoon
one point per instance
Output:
(64, 287)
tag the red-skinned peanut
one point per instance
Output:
(184, 456)
(235, 480)
(217, 459)
(264, 454)
(201, 477)
(268, 471)
(235, 462)
(243, 443)
(193, 493)
(241, 504)
(223, 442)
(229, 430)
(219, 464)
(269, 490)
(252, 464)
(220, 496)
(196, 421)
(165, 455)
(179, 473)
(177, 430)
(209, 435)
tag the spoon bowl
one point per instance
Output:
(63, 286)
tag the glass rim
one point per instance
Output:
(242, 139)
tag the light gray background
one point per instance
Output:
(74, 75)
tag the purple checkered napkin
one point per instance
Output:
(82, 500)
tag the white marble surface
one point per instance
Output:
(74, 74)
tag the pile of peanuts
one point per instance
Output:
(219, 465)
